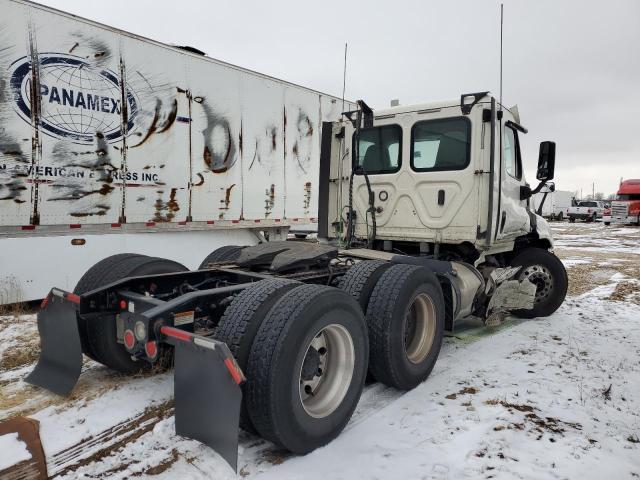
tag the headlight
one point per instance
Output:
(140, 330)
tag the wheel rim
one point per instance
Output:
(541, 277)
(326, 371)
(419, 328)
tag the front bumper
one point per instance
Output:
(620, 219)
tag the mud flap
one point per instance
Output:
(60, 359)
(207, 392)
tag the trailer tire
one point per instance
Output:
(404, 351)
(572, 219)
(226, 253)
(607, 223)
(548, 273)
(92, 279)
(101, 332)
(361, 279)
(283, 406)
(241, 321)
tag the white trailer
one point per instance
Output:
(556, 203)
(111, 143)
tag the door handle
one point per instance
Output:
(440, 197)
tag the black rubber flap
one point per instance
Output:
(60, 359)
(207, 400)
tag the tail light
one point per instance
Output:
(151, 349)
(129, 339)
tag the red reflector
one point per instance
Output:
(115, 225)
(28, 227)
(75, 225)
(129, 339)
(151, 349)
(296, 219)
(210, 222)
(235, 221)
(175, 333)
(182, 223)
(313, 220)
(45, 302)
(257, 221)
(233, 370)
(123, 304)
(277, 220)
(72, 297)
(151, 224)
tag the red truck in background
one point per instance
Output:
(625, 209)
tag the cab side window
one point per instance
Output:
(511, 155)
(378, 149)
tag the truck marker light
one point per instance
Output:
(78, 241)
(45, 302)
(151, 349)
(129, 339)
(234, 370)
(72, 297)
(123, 304)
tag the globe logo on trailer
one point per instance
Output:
(77, 100)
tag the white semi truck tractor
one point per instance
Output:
(424, 219)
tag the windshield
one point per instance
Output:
(628, 196)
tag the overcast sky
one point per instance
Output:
(573, 67)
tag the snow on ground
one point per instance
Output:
(551, 398)
(13, 450)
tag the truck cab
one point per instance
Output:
(443, 178)
(625, 209)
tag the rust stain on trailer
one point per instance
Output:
(226, 201)
(153, 126)
(166, 211)
(307, 198)
(270, 201)
(256, 156)
(217, 162)
(201, 181)
(171, 117)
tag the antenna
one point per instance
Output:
(344, 75)
(501, 23)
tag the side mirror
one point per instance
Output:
(546, 161)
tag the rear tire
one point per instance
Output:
(228, 253)
(241, 321)
(284, 363)
(92, 279)
(101, 331)
(361, 279)
(572, 219)
(548, 273)
(406, 325)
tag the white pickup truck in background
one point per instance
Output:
(588, 210)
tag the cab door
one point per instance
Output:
(513, 216)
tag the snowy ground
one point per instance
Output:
(551, 398)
